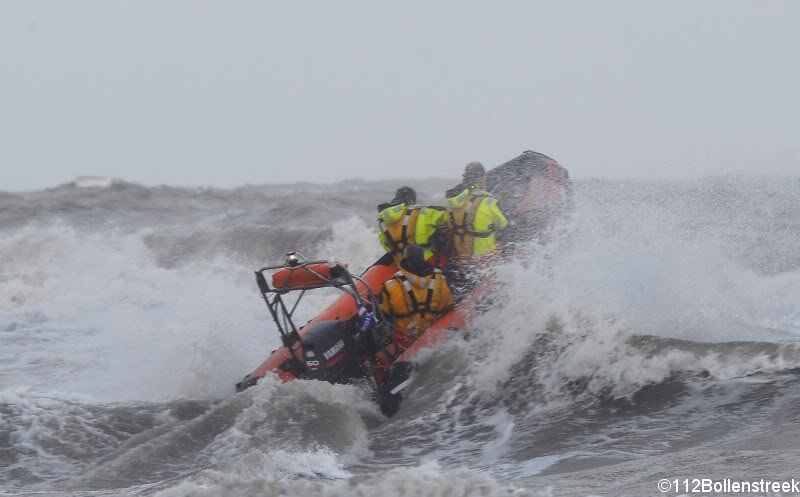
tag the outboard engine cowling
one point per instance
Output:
(329, 352)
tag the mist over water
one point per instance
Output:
(655, 336)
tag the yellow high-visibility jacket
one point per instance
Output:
(401, 225)
(474, 216)
(415, 302)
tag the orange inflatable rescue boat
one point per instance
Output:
(331, 347)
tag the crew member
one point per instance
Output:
(402, 223)
(473, 214)
(415, 297)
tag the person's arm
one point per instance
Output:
(428, 222)
(499, 220)
(438, 215)
(386, 309)
(385, 299)
(383, 241)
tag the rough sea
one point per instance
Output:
(656, 337)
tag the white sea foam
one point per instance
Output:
(134, 329)
(92, 316)
(428, 479)
(576, 338)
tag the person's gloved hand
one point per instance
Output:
(364, 327)
(366, 319)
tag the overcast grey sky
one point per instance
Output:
(233, 92)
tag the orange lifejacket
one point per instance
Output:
(415, 302)
(461, 222)
(401, 232)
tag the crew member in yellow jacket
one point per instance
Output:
(415, 297)
(473, 214)
(402, 223)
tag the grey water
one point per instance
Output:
(657, 336)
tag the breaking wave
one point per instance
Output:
(662, 320)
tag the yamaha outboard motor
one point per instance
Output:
(330, 354)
